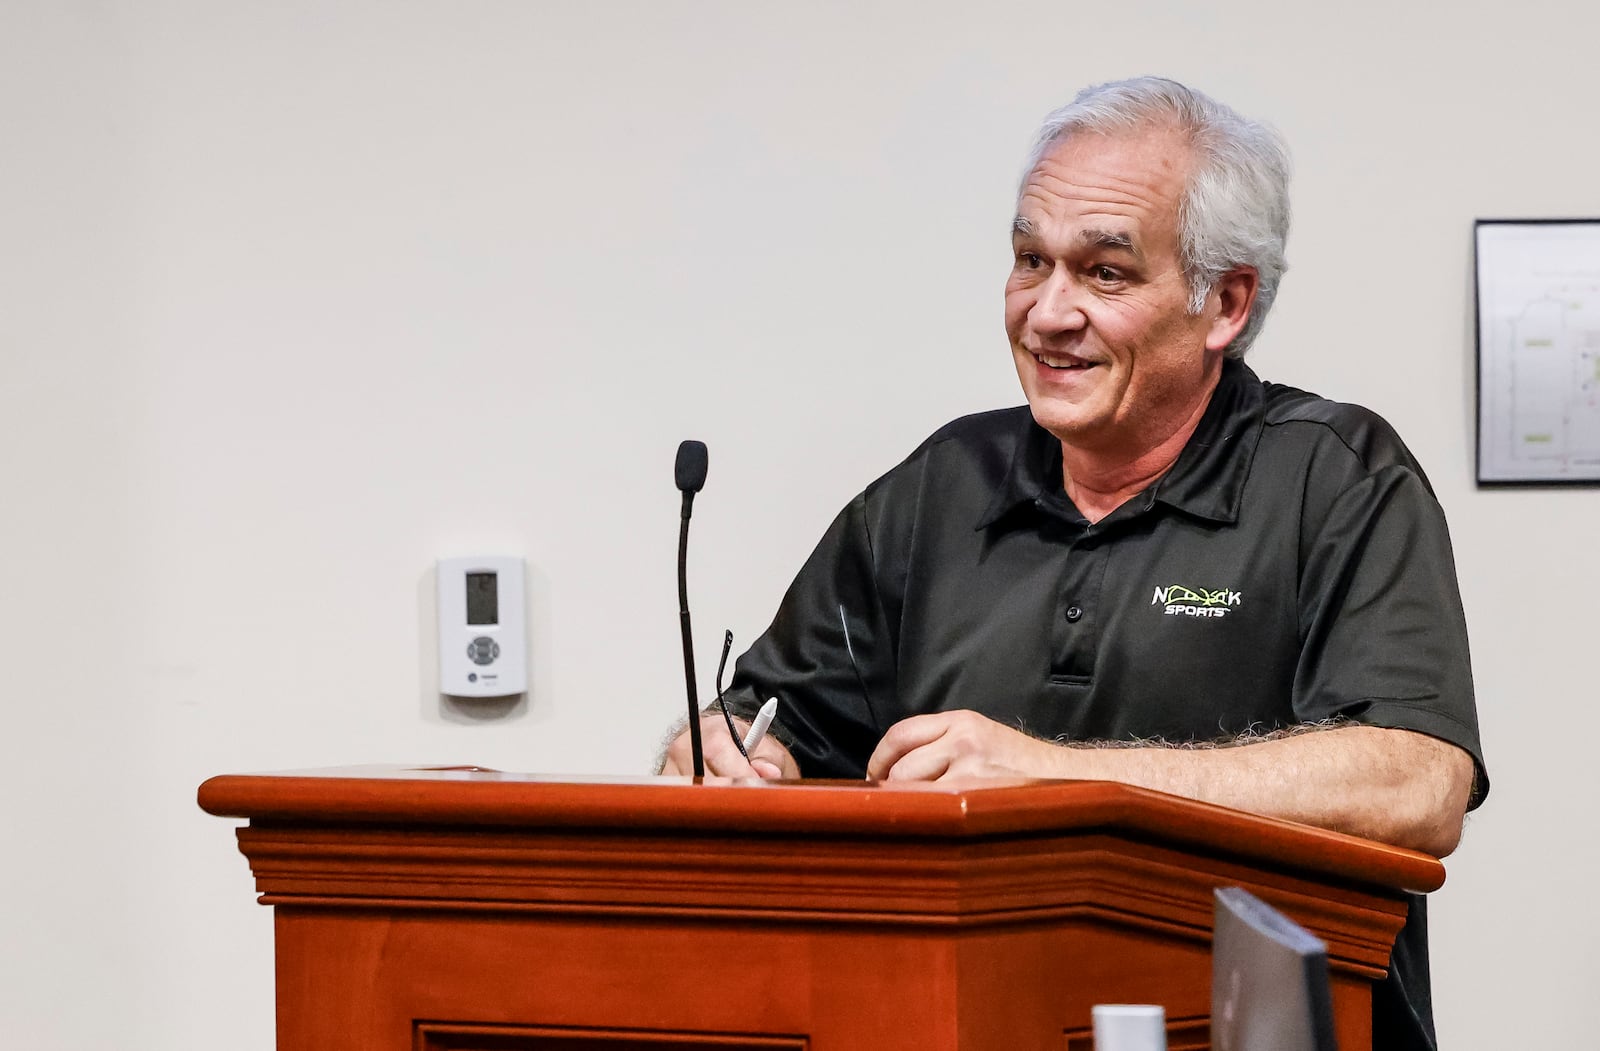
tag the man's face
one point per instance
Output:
(1110, 358)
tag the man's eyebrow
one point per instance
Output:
(1022, 226)
(1109, 239)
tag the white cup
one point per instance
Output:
(1130, 1027)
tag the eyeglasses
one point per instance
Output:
(733, 731)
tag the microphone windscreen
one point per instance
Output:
(691, 466)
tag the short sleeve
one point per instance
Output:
(1385, 638)
(828, 656)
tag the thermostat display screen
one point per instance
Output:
(483, 598)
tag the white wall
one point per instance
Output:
(296, 297)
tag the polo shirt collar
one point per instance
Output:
(1207, 481)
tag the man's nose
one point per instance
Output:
(1059, 307)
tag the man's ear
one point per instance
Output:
(1234, 295)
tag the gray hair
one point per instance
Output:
(1235, 208)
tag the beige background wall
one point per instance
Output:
(297, 297)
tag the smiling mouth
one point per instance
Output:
(1063, 362)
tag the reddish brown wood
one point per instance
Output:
(463, 910)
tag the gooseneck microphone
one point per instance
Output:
(690, 473)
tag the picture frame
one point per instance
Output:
(1537, 307)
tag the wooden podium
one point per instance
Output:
(472, 910)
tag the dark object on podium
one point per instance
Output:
(471, 910)
(1269, 980)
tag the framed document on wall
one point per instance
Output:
(1538, 298)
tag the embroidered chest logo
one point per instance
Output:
(1180, 601)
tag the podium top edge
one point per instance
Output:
(971, 809)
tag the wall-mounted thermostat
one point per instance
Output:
(483, 649)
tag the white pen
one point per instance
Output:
(758, 729)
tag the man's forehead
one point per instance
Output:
(1109, 191)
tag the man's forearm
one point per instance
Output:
(1396, 786)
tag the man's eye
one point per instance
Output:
(1106, 275)
(1029, 261)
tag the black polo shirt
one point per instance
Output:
(1292, 566)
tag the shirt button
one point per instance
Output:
(1073, 614)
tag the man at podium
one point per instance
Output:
(1163, 570)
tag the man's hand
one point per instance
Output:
(770, 760)
(961, 744)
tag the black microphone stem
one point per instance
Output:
(688, 643)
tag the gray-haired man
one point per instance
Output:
(1250, 585)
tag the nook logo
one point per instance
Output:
(1177, 600)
